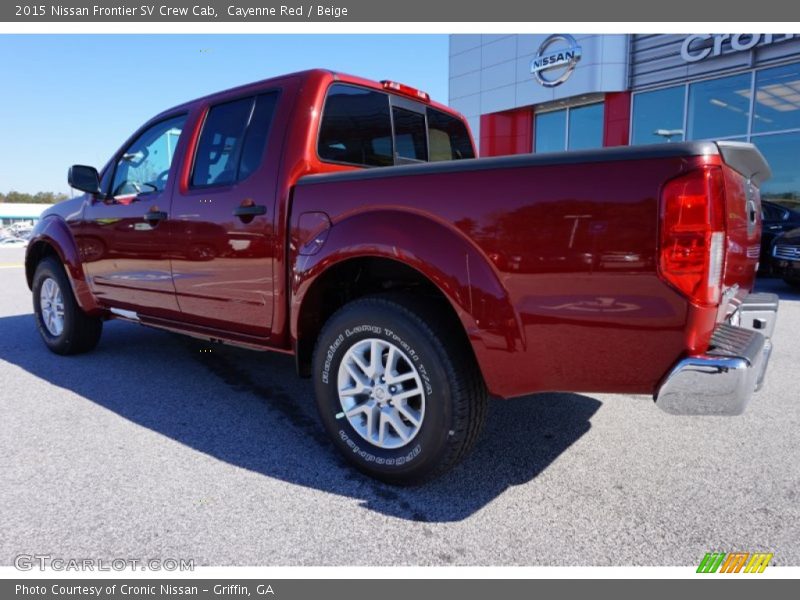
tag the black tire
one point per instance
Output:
(80, 332)
(455, 397)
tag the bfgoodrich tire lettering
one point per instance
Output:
(64, 327)
(400, 396)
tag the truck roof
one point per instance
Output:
(307, 74)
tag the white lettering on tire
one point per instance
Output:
(326, 368)
(369, 457)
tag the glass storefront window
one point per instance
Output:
(573, 128)
(720, 107)
(585, 127)
(777, 105)
(658, 116)
(781, 151)
(550, 131)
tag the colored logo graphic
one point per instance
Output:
(735, 562)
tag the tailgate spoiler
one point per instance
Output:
(746, 159)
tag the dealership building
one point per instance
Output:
(547, 93)
(20, 213)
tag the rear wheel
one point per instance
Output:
(399, 393)
(64, 327)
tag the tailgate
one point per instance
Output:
(745, 169)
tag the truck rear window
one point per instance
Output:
(448, 137)
(357, 126)
(409, 134)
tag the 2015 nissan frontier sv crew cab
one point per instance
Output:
(347, 222)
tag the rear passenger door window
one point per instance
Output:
(232, 140)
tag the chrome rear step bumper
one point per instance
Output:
(722, 381)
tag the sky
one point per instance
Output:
(74, 99)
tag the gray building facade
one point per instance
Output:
(543, 93)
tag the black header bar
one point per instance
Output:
(398, 589)
(491, 11)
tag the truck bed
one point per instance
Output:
(553, 256)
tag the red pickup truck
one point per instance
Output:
(347, 222)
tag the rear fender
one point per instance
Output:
(443, 255)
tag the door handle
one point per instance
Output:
(251, 210)
(155, 215)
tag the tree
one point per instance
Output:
(37, 198)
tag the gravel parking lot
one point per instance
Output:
(151, 448)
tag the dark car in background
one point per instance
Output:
(786, 257)
(776, 219)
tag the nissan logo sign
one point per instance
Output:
(555, 60)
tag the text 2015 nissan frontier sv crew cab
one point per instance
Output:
(347, 222)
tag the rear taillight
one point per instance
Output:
(692, 252)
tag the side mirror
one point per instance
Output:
(83, 178)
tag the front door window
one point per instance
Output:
(144, 167)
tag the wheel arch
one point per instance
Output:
(418, 255)
(52, 237)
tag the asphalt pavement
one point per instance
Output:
(153, 447)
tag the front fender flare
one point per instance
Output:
(53, 232)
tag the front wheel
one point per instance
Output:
(63, 326)
(398, 392)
